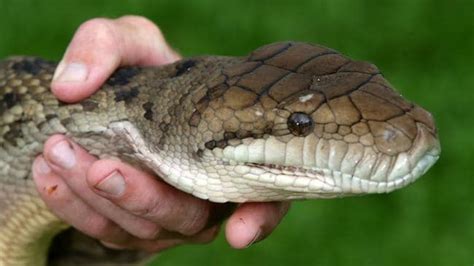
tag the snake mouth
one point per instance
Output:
(336, 169)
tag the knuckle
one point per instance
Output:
(195, 221)
(140, 22)
(188, 221)
(98, 227)
(147, 208)
(147, 202)
(95, 24)
(149, 231)
(100, 31)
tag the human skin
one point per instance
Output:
(109, 200)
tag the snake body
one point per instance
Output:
(289, 121)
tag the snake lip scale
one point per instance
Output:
(288, 121)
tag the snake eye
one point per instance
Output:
(300, 124)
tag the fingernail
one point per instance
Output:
(41, 166)
(255, 238)
(63, 155)
(67, 72)
(114, 184)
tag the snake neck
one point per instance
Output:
(143, 97)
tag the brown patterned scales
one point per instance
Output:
(289, 121)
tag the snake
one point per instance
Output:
(289, 121)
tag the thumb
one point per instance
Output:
(100, 46)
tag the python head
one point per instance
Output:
(292, 121)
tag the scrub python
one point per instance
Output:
(289, 121)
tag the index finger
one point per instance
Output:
(144, 196)
(100, 46)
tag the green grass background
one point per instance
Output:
(425, 48)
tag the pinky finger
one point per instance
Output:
(167, 240)
(148, 246)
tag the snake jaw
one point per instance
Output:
(261, 169)
(331, 171)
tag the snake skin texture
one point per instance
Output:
(289, 121)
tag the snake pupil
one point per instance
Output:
(300, 124)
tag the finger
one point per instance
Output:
(206, 236)
(252, 222)
(101, 45)
(146, 245)
(71, 162)
(143, 195)
(71, 209)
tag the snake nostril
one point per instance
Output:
(300, 124)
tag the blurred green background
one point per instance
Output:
(425, 48)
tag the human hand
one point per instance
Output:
(109, 200)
